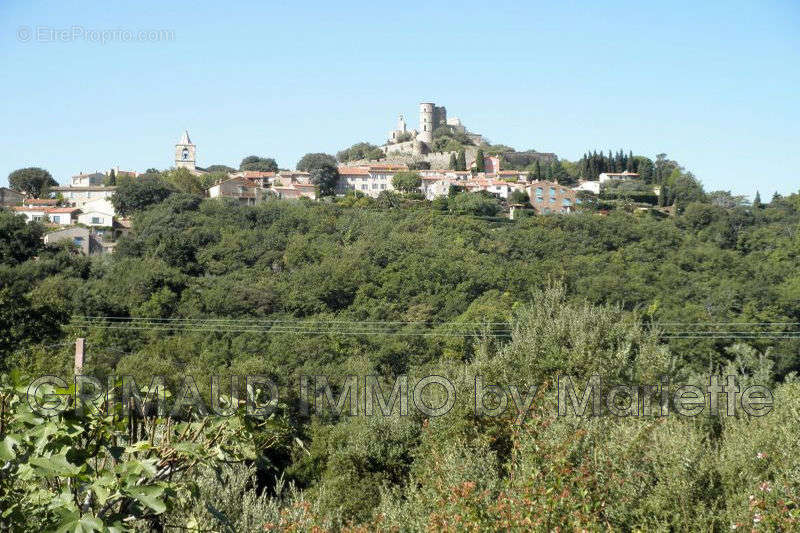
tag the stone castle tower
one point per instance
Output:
(185, 153)
(426, 122)
(430, 118)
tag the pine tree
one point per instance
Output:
(757, 201)
(453, 162)
(462, 161)
(662, 196)
(480, 164)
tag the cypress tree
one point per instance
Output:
(480, 165)
(662, 196)
(462, 161)
(538, 171)
(453, 162)
(757, 201)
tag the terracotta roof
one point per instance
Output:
(256, 174)
(62, 209)
(350, 171)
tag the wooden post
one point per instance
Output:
(80, 344)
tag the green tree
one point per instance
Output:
(33, 181)
(757, 201)
(137, 194)
(220, 168)
(111, 179)
(407, 182)
(662, 196)
(480, 164)
(477, 204)
(519, 197)
(363, 150)
(315, 160)
(259, 164)
(326, 178)
(453, 162)
(462, 161)
(559, 174)
(184, 181)
(19, 241)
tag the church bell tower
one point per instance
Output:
(185, 153)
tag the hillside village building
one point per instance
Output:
(62, 216)
(624, 176)
(10, 197)
(85, 188)
(550, 197)
(86, 239)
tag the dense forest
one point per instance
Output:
(347, 288)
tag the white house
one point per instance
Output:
(97, 213)
(63, 216)
(87, 180)
(586, 185)
(84, 188)
(605, 176)
(370, 180)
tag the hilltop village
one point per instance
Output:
(436, 161)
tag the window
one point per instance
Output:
(185, 154)
(56, 219)
(97, 220)
(539, 199)
(552, 191)
(364, 187)
(78, 241)
(566, 202)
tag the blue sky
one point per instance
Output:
(714, 85)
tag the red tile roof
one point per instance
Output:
(351, 171)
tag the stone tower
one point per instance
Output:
(185, 153)
(426, 126)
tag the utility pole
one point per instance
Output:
(80, 345)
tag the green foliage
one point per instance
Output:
(461, 162)
(33, 181)
(480, 163)
(466, 293)
(258, 164)
(184, 181)
(19, 241)
(325, 177)
(519, 197)
(220, 168)
(98, 470)
(358, 151)
(134, 195)
(477, 204)
(407, 182)
(315, 160)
